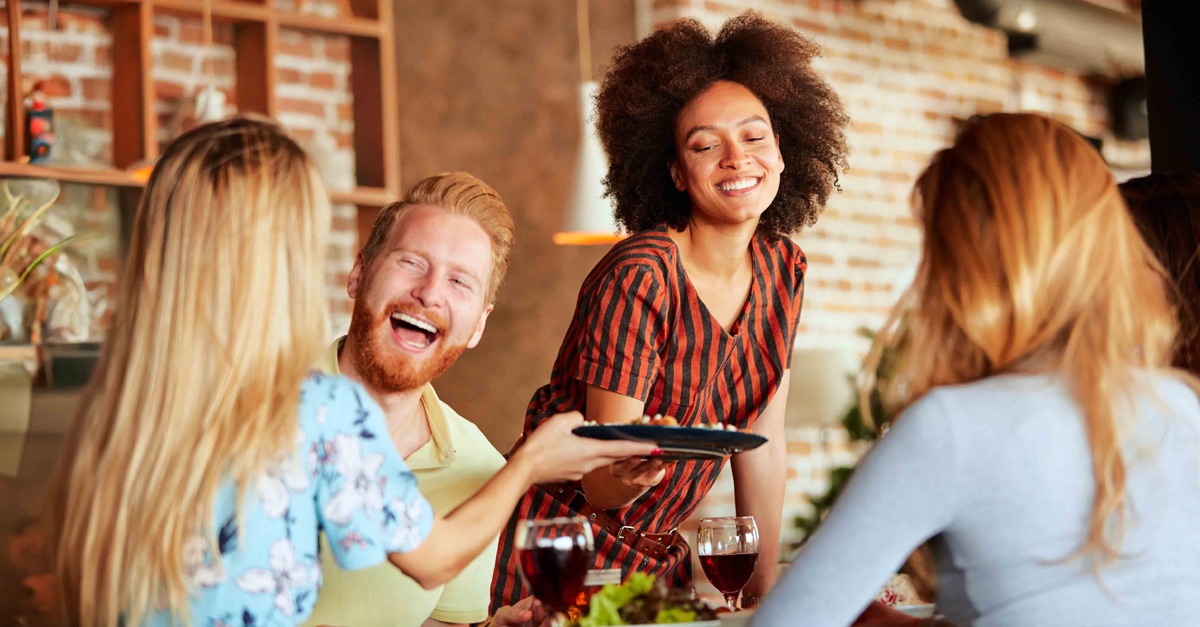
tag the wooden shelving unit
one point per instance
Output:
(256, 26)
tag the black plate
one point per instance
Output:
(678, 443)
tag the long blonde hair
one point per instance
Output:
(220, 313)
(1031, 260)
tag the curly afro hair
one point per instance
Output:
(650, 81)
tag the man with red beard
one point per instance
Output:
(423, 287)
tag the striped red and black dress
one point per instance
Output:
(640, 330)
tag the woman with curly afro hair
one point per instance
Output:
(719, 149)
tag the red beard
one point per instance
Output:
(379, 366)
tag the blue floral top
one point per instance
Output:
(345, 478)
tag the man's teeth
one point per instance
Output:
(735, 185)
(424, 326)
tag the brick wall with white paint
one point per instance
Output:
(908, 72)
(73, 62)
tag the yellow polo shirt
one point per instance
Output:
(450, 467)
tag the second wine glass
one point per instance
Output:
(728, 550)
(555, 555)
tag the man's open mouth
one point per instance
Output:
(413, 331)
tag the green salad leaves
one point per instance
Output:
(642, 600)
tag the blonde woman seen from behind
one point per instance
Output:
(206, 455)
(1042, 441)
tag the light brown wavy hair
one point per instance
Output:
(221, 312)
(1030, 261)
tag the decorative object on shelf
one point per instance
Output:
(21, 251)
(206, 104)
(209, 102)
(52, 298)
(589, 216)
(39, 126)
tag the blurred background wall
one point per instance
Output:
(492, 88)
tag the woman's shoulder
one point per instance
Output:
(332, 401)
(1182, 395)
(785, 249)
(651, 250)
(651, 246)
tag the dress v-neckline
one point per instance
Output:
(739, 323)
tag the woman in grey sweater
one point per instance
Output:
(1042, 441)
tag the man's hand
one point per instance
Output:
(527, 612)
(639, 473)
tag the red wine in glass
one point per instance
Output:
(729, 573)
(555, 556)
(728, 550)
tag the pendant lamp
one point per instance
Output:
(589, 215)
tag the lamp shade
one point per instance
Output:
(589, 215)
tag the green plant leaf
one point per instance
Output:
(9, 289)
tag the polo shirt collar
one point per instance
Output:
(439, 450)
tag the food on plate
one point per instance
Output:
(643, 601)
(899, 590)
(659, 420)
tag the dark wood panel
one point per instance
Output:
(1172, 85)
(14, 145)
(370, 85)
(255, 50)
(356, 26)
(134, 122)
(371, 9)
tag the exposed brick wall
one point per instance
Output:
(75, 62)
(908, 72)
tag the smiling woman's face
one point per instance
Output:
(727, 155)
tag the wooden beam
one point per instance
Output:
(368, 90)
(255, 46)
(370, 197)
(355, 26)
(14, 145)
(376, 116)
(88, 175)
(135, 125)
(389, 80)
(222, 11)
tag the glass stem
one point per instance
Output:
(731, 599)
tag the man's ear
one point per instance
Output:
(478, 334)
(352, 281)
(676, 177)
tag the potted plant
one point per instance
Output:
(25, 203)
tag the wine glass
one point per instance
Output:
(555, 555)
(728, 550)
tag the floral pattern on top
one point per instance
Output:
(344, 477)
